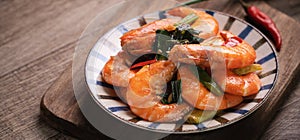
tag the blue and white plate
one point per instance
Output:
(109, 45)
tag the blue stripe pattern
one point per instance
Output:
(266, 58)
(98, 55)
(154, 125)
(210, 12)
(162, 14)
(245, 32)
(266, 87)
(119, 108)
(240, 111)
(122, 29)
(100, 83)
(200, 126)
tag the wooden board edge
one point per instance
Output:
(64, 125)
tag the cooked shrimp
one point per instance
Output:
(198, 96)
(166, 24)
(116, 71)
(242, 85)
(144, 88)
(206, 23)
(236, 52)
(139, 41)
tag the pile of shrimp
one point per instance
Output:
(141, 88)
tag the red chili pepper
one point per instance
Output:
(141, 64)
(265, 21)
(231, 41)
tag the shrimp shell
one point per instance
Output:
(245, 85)
(144, 88)
(116, 72)
(206, 23)
(198, 96)
(237, 56)
(139, 41)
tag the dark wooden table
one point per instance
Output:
(37, 42)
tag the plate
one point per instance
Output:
(109, 45)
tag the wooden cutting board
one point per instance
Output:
(60, 109)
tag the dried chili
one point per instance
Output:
(260, 18)
(141, 64)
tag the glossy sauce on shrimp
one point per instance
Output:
(239, 55)
(144, 88)
(116, 71)
(194, 92)
(139, 41)
(208, 25)
(244, 85)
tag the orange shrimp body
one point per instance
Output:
(162, 113)
(144, 88)
(198, 96)
(206, 23)
(166, 24)
(237, 56)
(139, 41)
(242, 85)
(116, 71)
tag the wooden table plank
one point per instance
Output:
(21, 95)
(289, 7)
(37, 43)
(39, 28)
(286, 124)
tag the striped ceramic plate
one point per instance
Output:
(109, 45)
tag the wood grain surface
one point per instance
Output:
(37, 41)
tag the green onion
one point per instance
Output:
(165, 98)
(207, 81)
(160, 57)
(165, 40)
(176, 88)
(175, 95)
(247, 69)
(162, 44)
(198, 116)
(213, 87)
(186, 34)
(187, 20)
